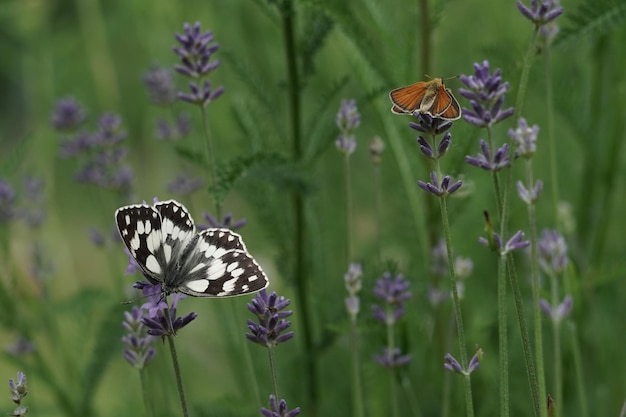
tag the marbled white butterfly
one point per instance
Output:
(163, 240)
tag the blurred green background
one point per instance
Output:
(97, 51)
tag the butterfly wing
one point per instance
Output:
(218, 265)
(453, 112)
(441, 102)
(408, 99)
(140, 229)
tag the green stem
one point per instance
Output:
(534, 269)
(357, 393)
(211, 162)
(391, 345)
(270, 355)
(455, 297)
(528, 356)
(578, 366)
(179, 380)
(348, 194)
(523, 82)
(378, 206)
(551, 140)
(146, 393)
(300, 267)
(503, 351)
(556, 340)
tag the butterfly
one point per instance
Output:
(428, 97)
(213, 263)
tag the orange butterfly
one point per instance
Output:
(428, 97)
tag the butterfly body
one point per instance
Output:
(426, 97)
(163, 240)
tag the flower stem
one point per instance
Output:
(578, 367)
(179, 380)
(270, 356)
(146, 393)
(534, 269)
(348, 194)
(503, 352)
(300, 270)
(378, 207)
(455, 298)
(523, 82)
(357, 390)
(556, 341)
(391, 345)
(551, 140)
(211, 162)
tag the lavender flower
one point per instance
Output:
(68, 114)
(19, 390)
(529, 196)
(173, 131)
(377, 147)
(391, 360)
(161, 320)
(20, 347)
(429, 125)
(160, 85)
(138, 351)
(557, 313)
(195, 53)
(552, 252)
(494, 242)
(540, 13)
(524, 138)
(483, 160)
(271, 319)
(453, 365)
(279, 409)
(184, 185)
(442, 148)
(442, 190)
(225, 223)
(486, 95)
(393, 292)
(33, 211)
(353, 282)
(8, 198)
(348, 119)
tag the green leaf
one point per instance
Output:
(592, 19)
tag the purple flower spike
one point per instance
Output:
(560, 312)
(161, 319)
(394, 359)
(377, 147)
(451, 364)
(524, 138)
(442, 190)
(195, 52)
(68, 114)
(540, 13)
(516, 242)
(483, 160)
(348, 117)
(184, 185)
(486, 95)
(19, 390)
(138, 351)
(279, 409)
(552, 252)
(225, 223)
(346, 144)
(160, 85)
(394, 292)
(271, 324)
(529, 196)
(8, 197)
(429, 125)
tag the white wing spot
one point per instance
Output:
(127, 219)
(229, 286)
(167, 251)
(199, 285)
(197, 268)
(216, 270)
(153, 265)
(135, 242)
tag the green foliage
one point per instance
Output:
(358, 49)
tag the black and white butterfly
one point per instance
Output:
(163, 240)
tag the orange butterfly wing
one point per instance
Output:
(453, 112)
(408, 99)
